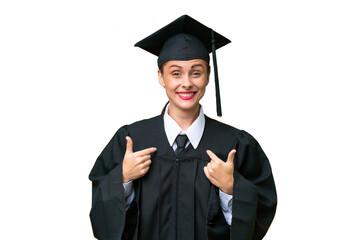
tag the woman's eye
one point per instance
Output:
(196, 73)
(175, 74)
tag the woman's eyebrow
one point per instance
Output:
(174, 65)
(197, 65)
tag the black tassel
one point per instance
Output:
(217, 88)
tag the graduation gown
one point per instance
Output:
(175, 200)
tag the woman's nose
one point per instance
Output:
(186, 83)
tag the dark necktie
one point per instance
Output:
(181, 143)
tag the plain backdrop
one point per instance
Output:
(70, 77)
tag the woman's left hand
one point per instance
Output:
(221, 173)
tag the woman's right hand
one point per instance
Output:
(135, 164)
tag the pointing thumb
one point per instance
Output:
(129, 145)
(231, 156)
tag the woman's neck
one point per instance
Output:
(184, 118)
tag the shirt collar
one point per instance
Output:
(194, 132)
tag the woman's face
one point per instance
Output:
(185, 83)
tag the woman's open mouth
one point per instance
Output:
(186, 95)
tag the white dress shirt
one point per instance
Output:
(194, 134)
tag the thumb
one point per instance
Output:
(129, 145)
(231, 156)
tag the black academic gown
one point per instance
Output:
(175, 200)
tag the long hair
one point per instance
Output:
(163, 110)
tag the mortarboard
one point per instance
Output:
(186, 39)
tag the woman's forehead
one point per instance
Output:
(187, 63)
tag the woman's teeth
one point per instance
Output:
(186, 94)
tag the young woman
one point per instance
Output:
(182, 175)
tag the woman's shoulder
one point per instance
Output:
(143, 122)
(223, 128)
(144, 125)
(147, 122)
(141, 125)
(218, 126)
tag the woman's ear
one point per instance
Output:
(161, 78)
(208, 75)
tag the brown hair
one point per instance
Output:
(163, 110)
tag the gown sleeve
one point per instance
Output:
(254, 193)
(108, 210)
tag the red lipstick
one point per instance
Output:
(186, 95)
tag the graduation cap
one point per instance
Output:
(186, 39)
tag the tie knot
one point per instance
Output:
(181, 141)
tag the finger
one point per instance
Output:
(146, 164)
(210, 169)
(231, 156)
(206, 171)
(144, 158)
(144, 170)
(209, 177)
(213, 156)
(146, 151)
(129, 144)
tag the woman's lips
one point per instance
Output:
(186, 95)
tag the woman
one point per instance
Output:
(182, 175)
